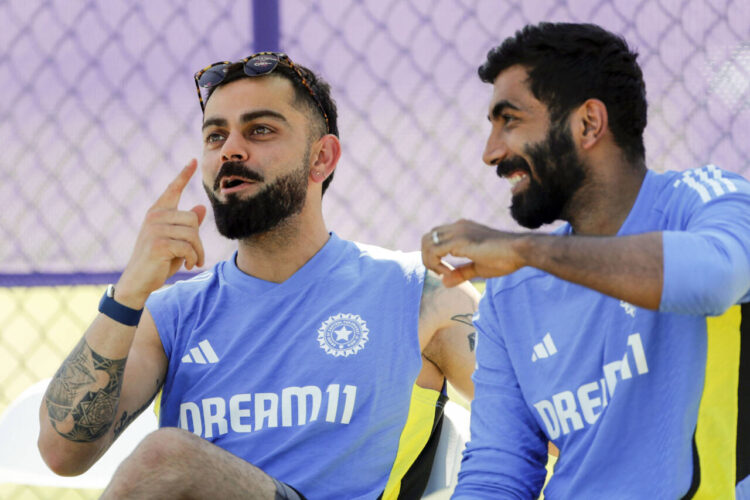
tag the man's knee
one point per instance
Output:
(169, 460)
(159, 454)
(160, 448)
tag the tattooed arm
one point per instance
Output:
(83, 396)
(115, 370)
(447, 334)
(109, 378)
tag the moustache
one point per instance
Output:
(235, 168)
(505, 167)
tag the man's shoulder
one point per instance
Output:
(382, 253)
(189, 288)
(379, 257)
(679, 198)
(699, 185)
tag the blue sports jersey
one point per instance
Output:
(619, 389)
(310, 379)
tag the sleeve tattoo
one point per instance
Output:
(83, 395)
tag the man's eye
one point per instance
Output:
(261, 130)
(508, 118)
(214, 137)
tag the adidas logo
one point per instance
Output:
(544, 349)
(707, 181)
(202, 354)
(629, 308)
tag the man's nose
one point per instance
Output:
(495, 150)
(234, 149)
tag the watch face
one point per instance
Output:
(111, 291)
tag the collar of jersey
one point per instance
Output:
(315, 268)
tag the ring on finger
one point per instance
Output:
(435, 237)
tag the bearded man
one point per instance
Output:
(286, 371)
(623, 337)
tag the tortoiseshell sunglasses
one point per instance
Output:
(258, 64)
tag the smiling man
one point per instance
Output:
(304, 365)
(622, 337)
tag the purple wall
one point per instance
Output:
(99, 109)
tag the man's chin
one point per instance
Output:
(531, 218)
(233, 231)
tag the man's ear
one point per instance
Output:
(326, 151)
(590, 123)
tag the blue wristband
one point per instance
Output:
(118, 312)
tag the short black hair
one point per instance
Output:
(302, 97)
(569, 63)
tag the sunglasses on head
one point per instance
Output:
(258, 64)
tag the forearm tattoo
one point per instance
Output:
(126, 417)
(83, 395)
(466, 320)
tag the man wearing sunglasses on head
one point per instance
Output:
(305, 365)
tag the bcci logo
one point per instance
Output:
(343, 334)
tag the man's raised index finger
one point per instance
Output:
(170, 198)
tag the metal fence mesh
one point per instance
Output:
(99, 112)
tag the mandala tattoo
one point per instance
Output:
(466, 320)
(74, 394)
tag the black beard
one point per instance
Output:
(239, 218)
(560, 172)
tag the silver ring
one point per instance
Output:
(435, 237)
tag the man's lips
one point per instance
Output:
(234, 176)
(233, 184)
(518, 179)
(516, 171)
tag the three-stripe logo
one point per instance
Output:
(708, 182)
(202, 354)
(544, 349)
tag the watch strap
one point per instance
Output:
(118, 312)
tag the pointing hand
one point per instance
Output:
(167, 239)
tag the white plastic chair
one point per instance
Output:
(453, 437)
(21, 463)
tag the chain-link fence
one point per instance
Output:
(99, 112)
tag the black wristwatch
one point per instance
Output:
(118, 312)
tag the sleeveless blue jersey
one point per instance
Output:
(310, 379)
(641, 403)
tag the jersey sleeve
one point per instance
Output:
(163, 308)
(507, 453)
(707, 259)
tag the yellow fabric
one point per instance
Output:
(414, 437)
(716, 432)
(551, 461)
(157, 404)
